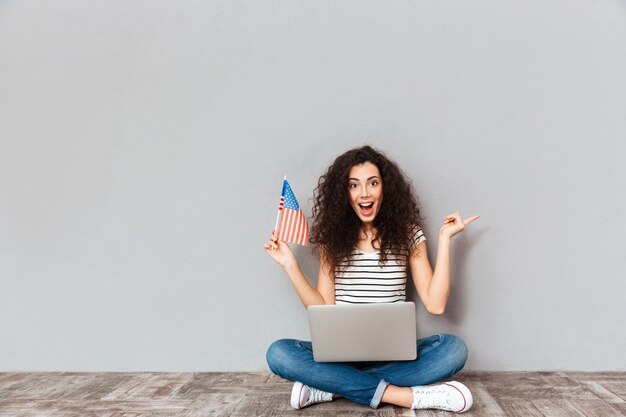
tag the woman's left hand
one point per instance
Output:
(453, 224)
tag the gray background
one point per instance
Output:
(143, 146)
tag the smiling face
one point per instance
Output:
(365, 188)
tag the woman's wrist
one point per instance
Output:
(291, 266)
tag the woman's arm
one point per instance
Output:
(326, 280)
(434, 287)
(308, 295)
(282, 254)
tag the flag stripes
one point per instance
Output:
(293, 227)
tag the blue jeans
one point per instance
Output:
(438, 357)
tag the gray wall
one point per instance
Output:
(143, 146)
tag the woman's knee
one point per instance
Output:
(457, 351)
(277, 355)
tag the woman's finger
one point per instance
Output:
(471, 219)
(451, 219)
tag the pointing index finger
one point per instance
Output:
(471, 219)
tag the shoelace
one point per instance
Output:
(316, 396)
(430, 398)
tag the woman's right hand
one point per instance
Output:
(280, 251)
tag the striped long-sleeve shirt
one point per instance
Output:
(365, 281)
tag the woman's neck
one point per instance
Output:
(368, 232)
(367, 229)
(368, 239)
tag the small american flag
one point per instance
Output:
(293, 225)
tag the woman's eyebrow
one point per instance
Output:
(370, 178)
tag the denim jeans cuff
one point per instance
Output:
(378, 395)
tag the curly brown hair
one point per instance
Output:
(336, 226)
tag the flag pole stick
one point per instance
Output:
(278, 213)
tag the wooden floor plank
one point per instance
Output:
(602, 393)
(11, 407)
(621, 407)
(596, 408)
(214, 405)
(533, 385)
(616, 387)
(154, 407)
(146, 386)
(557, 408)
(520, 408)
(484, 403)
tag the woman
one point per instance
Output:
(366, 216)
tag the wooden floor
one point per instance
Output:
(231, 394)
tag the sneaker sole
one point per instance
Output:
(296, 394)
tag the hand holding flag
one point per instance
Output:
(280, 252)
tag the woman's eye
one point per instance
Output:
(353, 185)
(374, 183)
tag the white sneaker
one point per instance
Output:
(449, 396)
(303, 396)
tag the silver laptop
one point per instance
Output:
(363, 332)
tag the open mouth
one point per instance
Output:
(366, 208)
